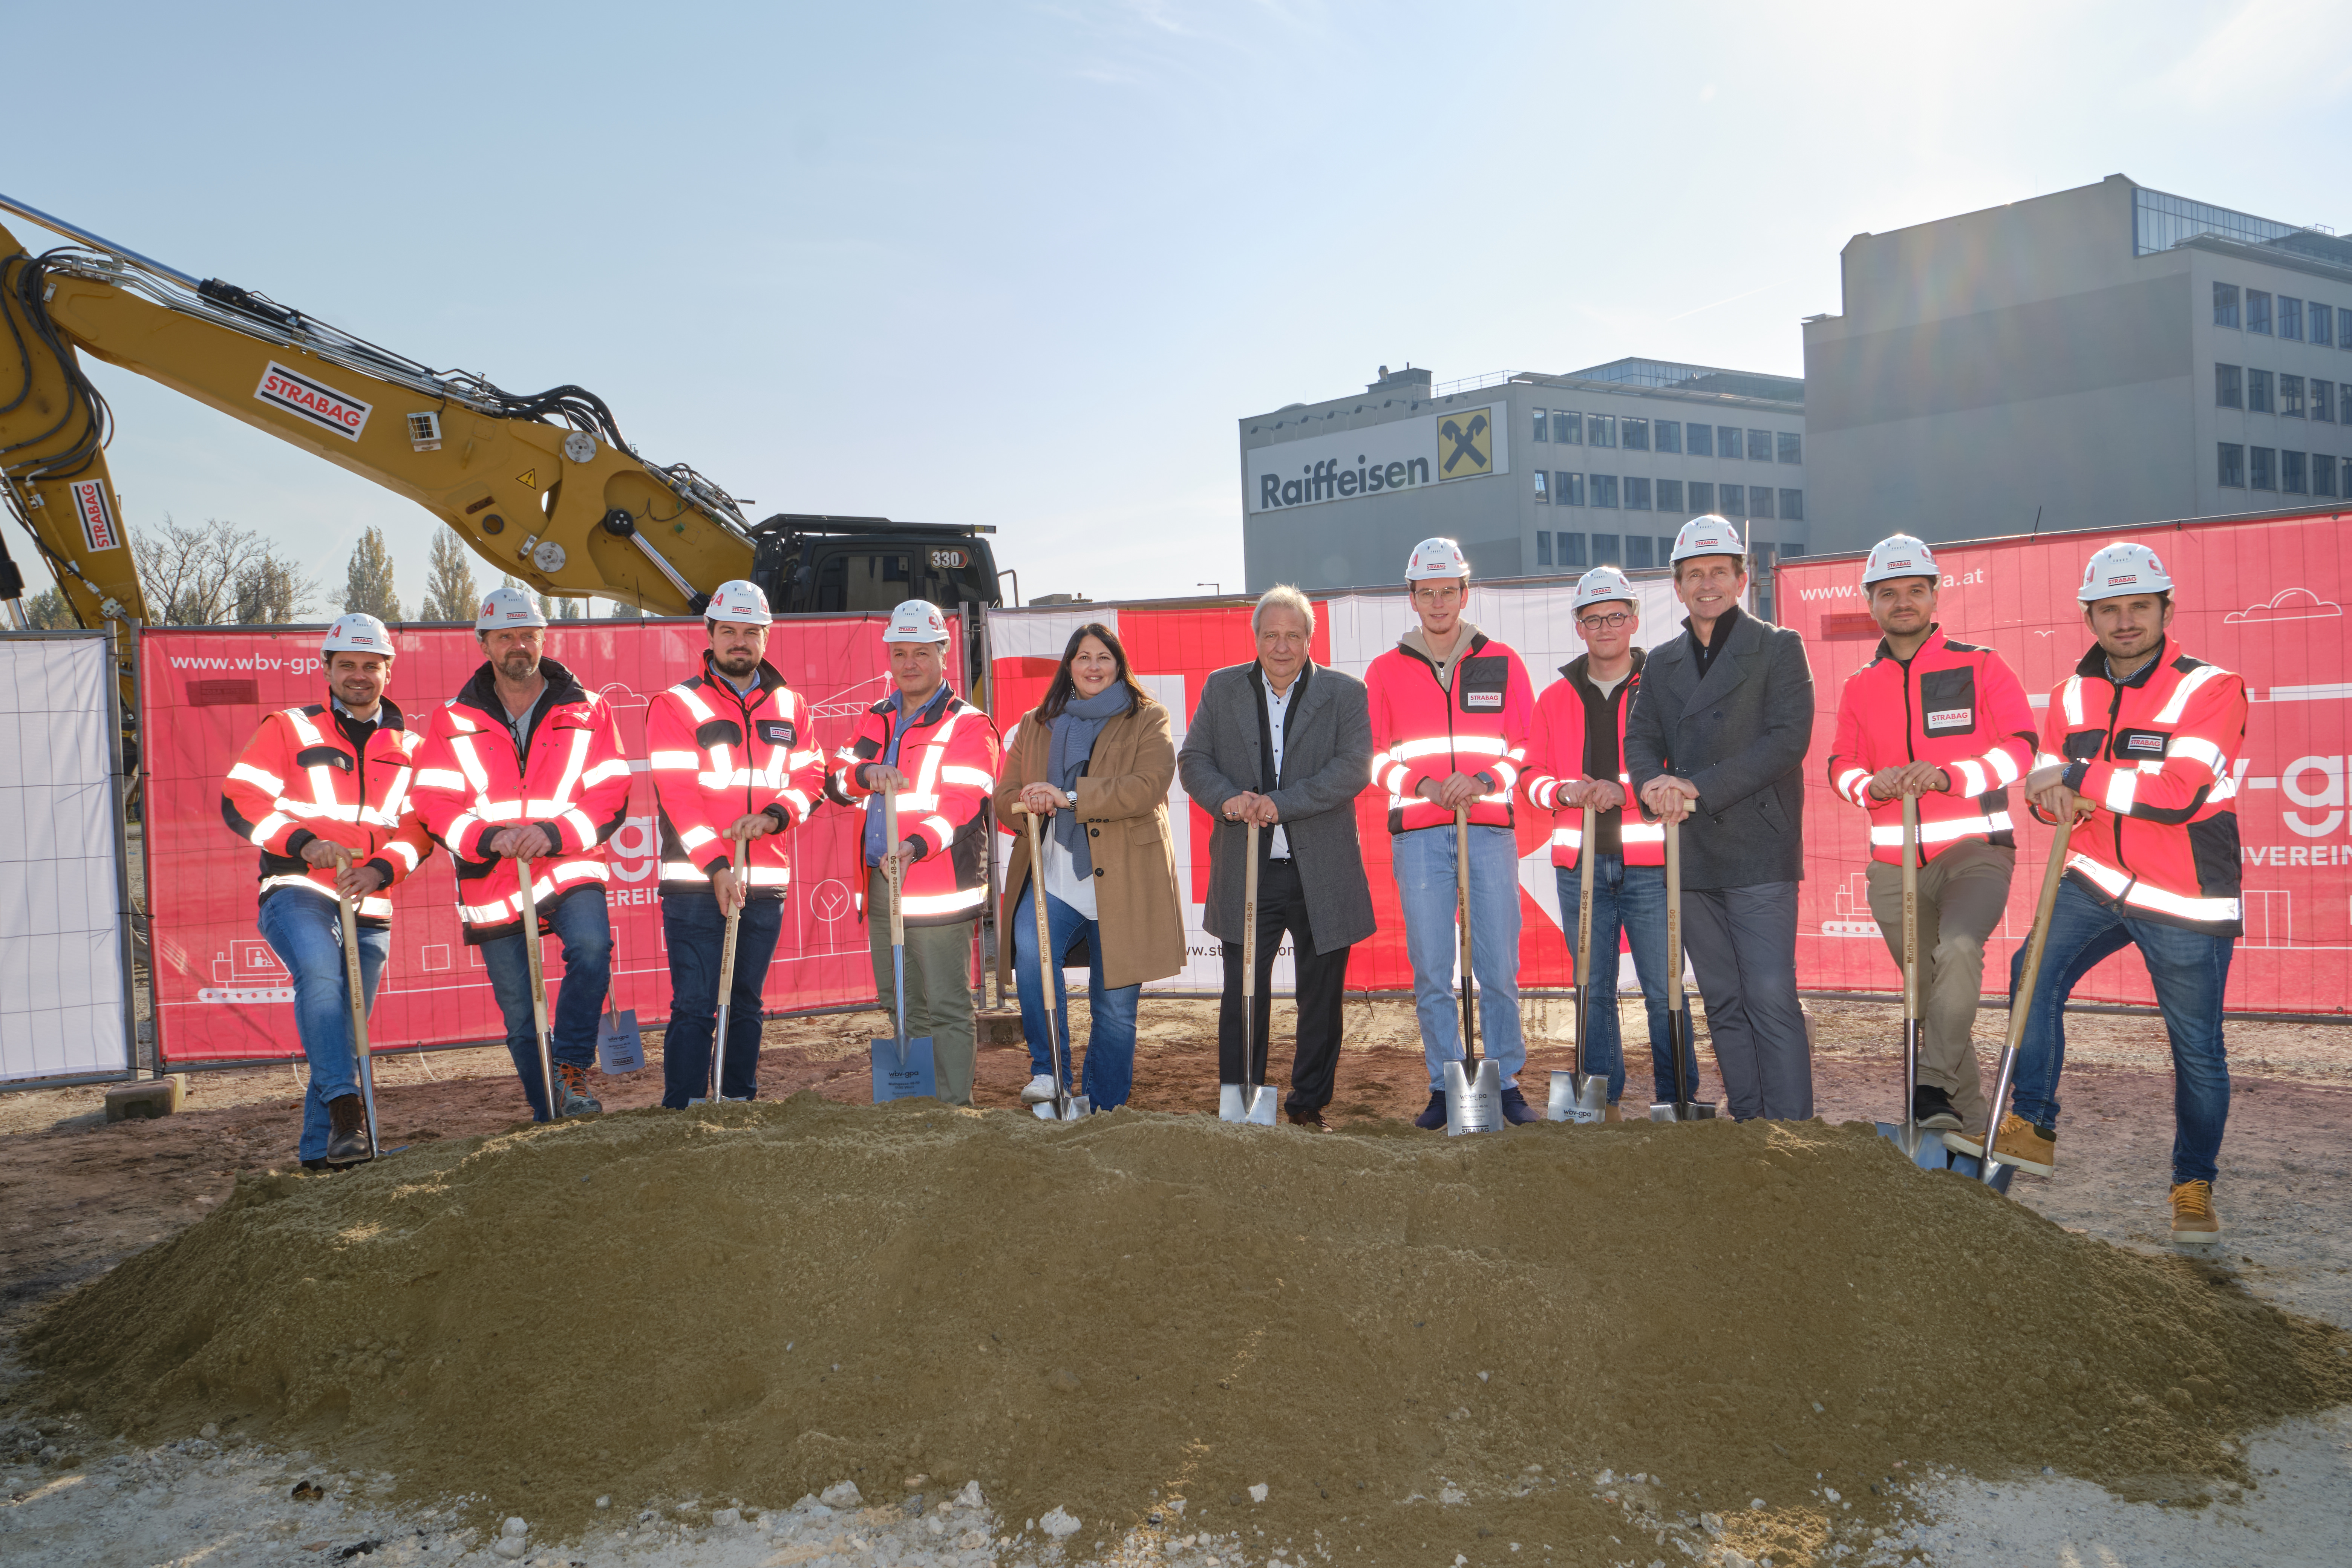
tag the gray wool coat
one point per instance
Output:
(1741, 736)
(1327, 761)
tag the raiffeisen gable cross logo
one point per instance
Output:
(1465, 446)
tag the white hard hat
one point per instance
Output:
(1602, 585)
(508, 607)
(358, 633)
(1436, 558)
(740, 602)
(917, 620)
(1898, 555)
(1708, 535)
(2121, 569)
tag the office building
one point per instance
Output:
(2104, 356)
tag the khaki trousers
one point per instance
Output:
(938, 987)
(1962, 892)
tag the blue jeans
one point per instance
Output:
(2190, 970)
(695, 932)
(579, 923)
(1630, 898)
(1110, 1074)
(1424, 873)
(306, 932)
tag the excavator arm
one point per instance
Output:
(542, 487)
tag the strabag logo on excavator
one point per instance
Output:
(314, 401)
(97, 518)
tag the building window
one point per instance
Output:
(1735, 500)
(1604, 489)
(1543, 489)
(1702, 436)
(1601, 430)
(2291, 474)
(2228, 387)
(1572, 550)
(2262, 468)
(2258, 392)
(2232, 468)
(1665, 551)
(2323, 474)
(1702, 491)
(1637, 494)
(1793, 446)
(2258, 310)
(1759, 446)
(2291, 397)
(2225, 304)
(1569, 489)
(1543, 547)
(2322, 324)
(1635, 434)
(1727, 440)
(1543, 419)
(2344, 328)
(1670, 495)
(1567, 427)
(1760, 500)
(1605, 550)
(1637, 552)
(1792, 506)
(2290, 319)
(1670, 435)
(2323, 400)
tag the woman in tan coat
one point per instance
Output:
(1094, 760)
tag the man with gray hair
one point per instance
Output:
(1285, 744)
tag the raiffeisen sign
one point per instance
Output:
(1436, 448)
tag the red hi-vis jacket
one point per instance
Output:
(718, 755)
(1956, 705)
(1422, 731)
(472, 783)
(2158, 753)
(300, 778)
(1559, 753)
(952, 759)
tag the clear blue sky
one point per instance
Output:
(1027, 265)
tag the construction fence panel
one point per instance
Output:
(65, 1006)
(221, 996)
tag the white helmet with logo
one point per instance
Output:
(1708, 535)
(507, 607)
(2122, 569)
(1898, 555)
(1604, 584)
(917, 620)
(740, 602)
(358, 633)
(1436, 558)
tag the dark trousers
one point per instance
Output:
(1322, 980)
(695, 932)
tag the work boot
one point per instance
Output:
(1311, 1119)
(347, 1141)
(577, 1100)
(2194, 1223)
(1614, 1113)
(1515, 1109)
(2023, 1144)
(1039, 1089)
(1432, 1116)
(1931, 1108)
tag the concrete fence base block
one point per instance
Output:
(148, 1098)
(998, 1027)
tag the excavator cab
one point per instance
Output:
(810, 563)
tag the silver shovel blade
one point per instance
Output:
(1927, 1149)
(1473, 1104)
(1240, 1104)
(1585, 1106)
(1689, 1111)
(1229, 1104)
(1073, 1109)
(1265, 1110)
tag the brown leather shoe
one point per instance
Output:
(1310, 1119)
(347, 1140)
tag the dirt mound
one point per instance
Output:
(769, 1297)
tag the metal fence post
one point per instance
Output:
(122, 905)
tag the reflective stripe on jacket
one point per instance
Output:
(1557, 755)
(950, 763)
(471, 784)
(2159, 754)
(300, 778)
(1422, 730)
(1956, 705)
(718, 755)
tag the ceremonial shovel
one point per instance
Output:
(547, 1079)
(1474, 1089)
(1922, 1146)
(1682, 1108)
(903, 1069)
(358, 1004)
(1577, 1096)
(713, 1078)
(1247, 1101)
(1064, 1105)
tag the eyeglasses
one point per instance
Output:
(1613, 621)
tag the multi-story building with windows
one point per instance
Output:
(1534, 474)
(2103, 356)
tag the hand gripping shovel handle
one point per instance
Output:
(1046, 958)
(735, 852)
(1462, 893)
(1910, 961)
(530, 899)
(358, 995)
(2021, 1005)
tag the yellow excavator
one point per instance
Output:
(542, 487)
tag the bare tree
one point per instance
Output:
(269, 594)
(450, 591)
(214, 574)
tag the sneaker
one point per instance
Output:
(1515, 1109)
(577, 1100)
(2023, 1144)
(2194, 1223)
(1432, 1116)
(1039, 1090)
(347, 1141)
(1931, 1108)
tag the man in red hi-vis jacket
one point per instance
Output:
(1946, 722)
(316, 786)
(2139, 745)
(733, 756)
(524, 765)
(1452, 709)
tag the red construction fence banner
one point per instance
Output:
(221, 993)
